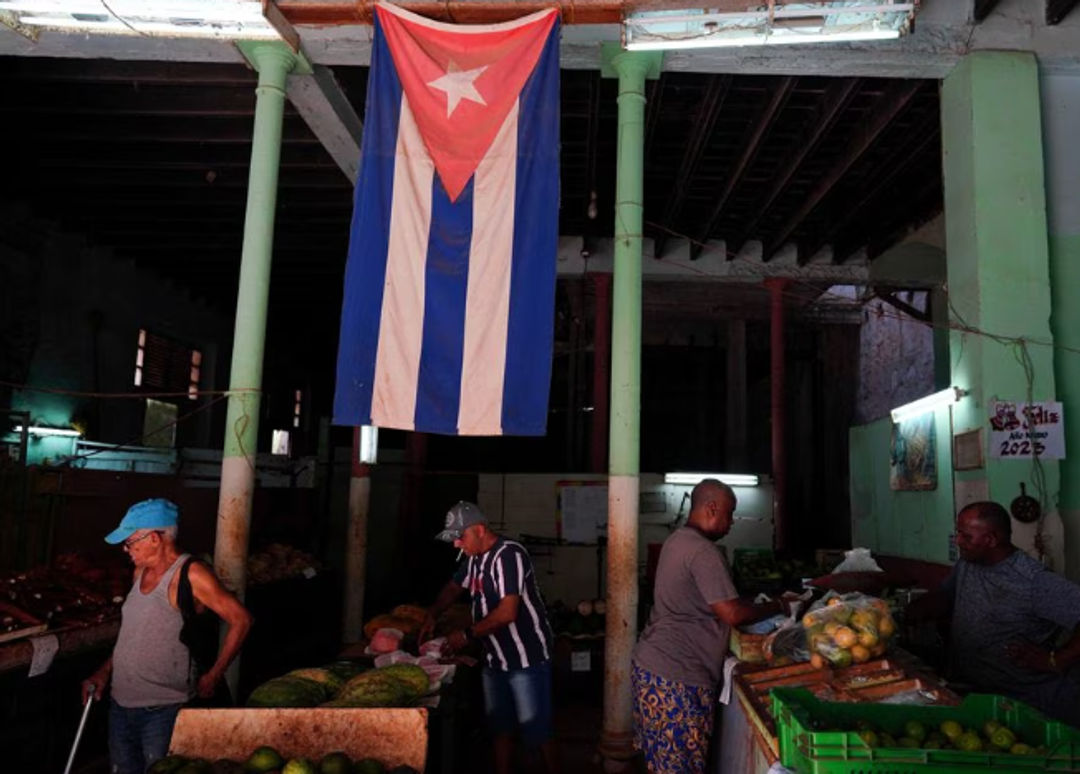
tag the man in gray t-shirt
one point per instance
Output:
(1008, 615)
(678, 660)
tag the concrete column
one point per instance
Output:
(273, 61)
(998, 266)
(735, 429)
(601, 371)
(356, 543)
(1061, 130)
(776, 286)
(632, 68)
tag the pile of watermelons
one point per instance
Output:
(267, 760)
(344, 685)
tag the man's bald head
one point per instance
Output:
(991, 515)
(712, 505)
(984, 533)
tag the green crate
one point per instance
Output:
(807, 750)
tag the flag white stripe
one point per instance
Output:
(487, 299)
(401, 330)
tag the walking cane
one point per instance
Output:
(82, 725)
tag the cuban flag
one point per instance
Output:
(447, 319)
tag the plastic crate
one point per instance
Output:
(809, 751)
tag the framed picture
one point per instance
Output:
(913, 459)
(967, 450)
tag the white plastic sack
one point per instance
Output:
(858, 560)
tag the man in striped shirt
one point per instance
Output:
(510, 620)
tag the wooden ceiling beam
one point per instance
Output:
(922, 139)
(96, 71)
(1057, 10)
(888, 107)
(712, 102)
(760, 127)
(837, 97)
(130, 99)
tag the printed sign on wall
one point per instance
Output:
(1022, 430)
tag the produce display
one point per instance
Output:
(950, 735)
(267, 760)
(346, 685)
(72, 592)
(279, 562)
(847, 630)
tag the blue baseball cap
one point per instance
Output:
(148, 514)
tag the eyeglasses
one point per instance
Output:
(127, 544)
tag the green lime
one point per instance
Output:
(915, 730)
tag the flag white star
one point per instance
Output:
(458, 85)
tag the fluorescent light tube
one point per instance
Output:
(731, 479)
(42, 431)
(369, 444)
(929, 403)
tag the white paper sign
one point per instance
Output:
(580, 661)
(45, 648)
(584, 512)
(1020, 430)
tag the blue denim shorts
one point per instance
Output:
(139, 736)
(519, 699)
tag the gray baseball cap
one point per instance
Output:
(459, 518)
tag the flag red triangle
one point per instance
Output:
(461, 81)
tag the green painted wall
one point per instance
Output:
(998, 263)
(911, 524)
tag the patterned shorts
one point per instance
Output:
(672, 723)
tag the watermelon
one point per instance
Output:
(373, 690)
(346, 670)
(369, 766)
(288, 692)
(413, 676)
(324, 677)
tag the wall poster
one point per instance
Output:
(913, 460)
(1020, 430)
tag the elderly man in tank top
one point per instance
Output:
(151, 672)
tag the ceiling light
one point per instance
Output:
(731, 479)
(802, 23)
(42, 431)
(929, 403)
(223, 19)
(369, 444)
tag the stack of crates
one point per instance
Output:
(818, 737)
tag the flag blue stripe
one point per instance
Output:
(369, 239)
(445, 288)
(536, 229)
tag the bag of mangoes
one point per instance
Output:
(848, 629)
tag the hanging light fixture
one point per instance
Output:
(770, 24)
(929, 403)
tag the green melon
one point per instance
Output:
(335, 763)
(288, 692)
(372, 689)
(299, 766)
(262, 760)
(325, 677)
(369, 766)
(346, 670)
(413, 676)
(167, 765)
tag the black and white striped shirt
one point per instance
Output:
(503, 570)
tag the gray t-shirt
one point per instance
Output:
(684, 641)
(1013, 600)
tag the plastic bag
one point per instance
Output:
(857, 560)
(787, 642)
(848, 629)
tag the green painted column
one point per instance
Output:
(1061, 119)
(998, 266)
(273, 61)
(632, 68)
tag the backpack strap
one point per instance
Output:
(185, 597)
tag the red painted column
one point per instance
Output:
(776, 286)
(601, 372)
